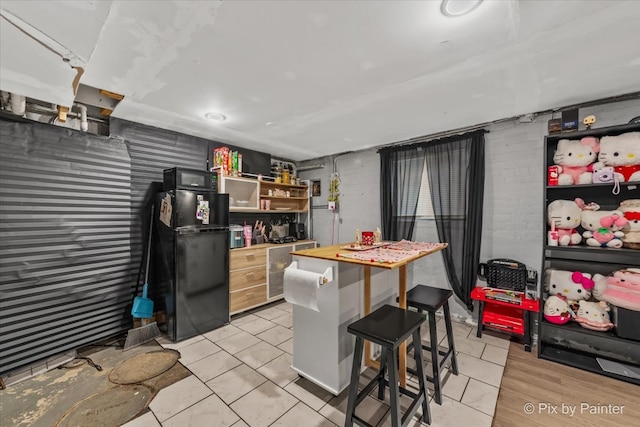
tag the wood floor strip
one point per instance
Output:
(549, 389)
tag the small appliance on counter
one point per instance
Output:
(297, 230)
(236, 237)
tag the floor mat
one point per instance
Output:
(143, 367)
(45, 398)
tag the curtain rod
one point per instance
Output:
(434, 137)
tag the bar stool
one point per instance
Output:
(387, 326)
(430, 299)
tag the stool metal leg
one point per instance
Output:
(394, 391)
(435, 365)
(353, 386)
(452, 347)
(417, 355)
(381, 374)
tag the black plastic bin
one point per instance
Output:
(627, 323)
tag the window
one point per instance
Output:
(425, 207)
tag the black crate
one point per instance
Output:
(507, 274)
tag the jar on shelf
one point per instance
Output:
(286, 178)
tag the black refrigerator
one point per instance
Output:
(191, 261)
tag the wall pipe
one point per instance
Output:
(18, 104)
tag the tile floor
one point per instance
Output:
(242, 377)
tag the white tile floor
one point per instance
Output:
(242, 377)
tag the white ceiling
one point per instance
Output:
(305, 79)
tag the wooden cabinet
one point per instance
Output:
(246, 194)
(256, 274)
(248, 278)
(243, 193)
(570, 343)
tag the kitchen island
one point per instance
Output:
(361, 281)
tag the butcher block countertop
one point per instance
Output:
(335, 252)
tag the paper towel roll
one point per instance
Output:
(300, 287)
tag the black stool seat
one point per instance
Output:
(389, 327)
(427, 298)
(430, 299)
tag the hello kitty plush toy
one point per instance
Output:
(594, 315)
(564, 216)
(621, 152)
(575, 160)
(572, 285)
(556, 310)
(603, 228)
(631, 210)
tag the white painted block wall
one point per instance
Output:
(513, 209)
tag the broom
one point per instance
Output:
(143, 307)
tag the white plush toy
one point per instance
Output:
(556, 310)
(603, 228)
(594, 315)
(631, 210)
(572, 285)
(622, 152)
(575, 160)
(565, 214)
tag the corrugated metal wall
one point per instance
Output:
(65, 262)
(153, 150)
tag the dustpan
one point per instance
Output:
(142, 306)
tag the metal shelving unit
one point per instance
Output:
(571, 344)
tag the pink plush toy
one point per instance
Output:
(622, 289)
(556, 310)
(594, 315)
(575, 160)
(564, 216)
(603, 228)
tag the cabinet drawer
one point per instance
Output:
(240, 279)
(246, 258)
(248, 297)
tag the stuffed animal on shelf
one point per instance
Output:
(557, 310)
(631, 210)
(622, 289)
(572, 285)
(575, 160)
(594, 315)
(621, 152)
(603, 228)
(565, 216)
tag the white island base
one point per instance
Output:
(322, 347)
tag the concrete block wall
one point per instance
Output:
(513, 217)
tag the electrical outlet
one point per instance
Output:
(331, 206)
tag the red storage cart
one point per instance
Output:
(506, 311)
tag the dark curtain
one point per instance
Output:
(400, 176)
(456, 177)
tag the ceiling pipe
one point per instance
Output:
(18, 104)
(310, 167)
(84, 125)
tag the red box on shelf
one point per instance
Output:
(552, 175)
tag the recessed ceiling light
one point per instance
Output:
(218, 117)
(454, 8)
